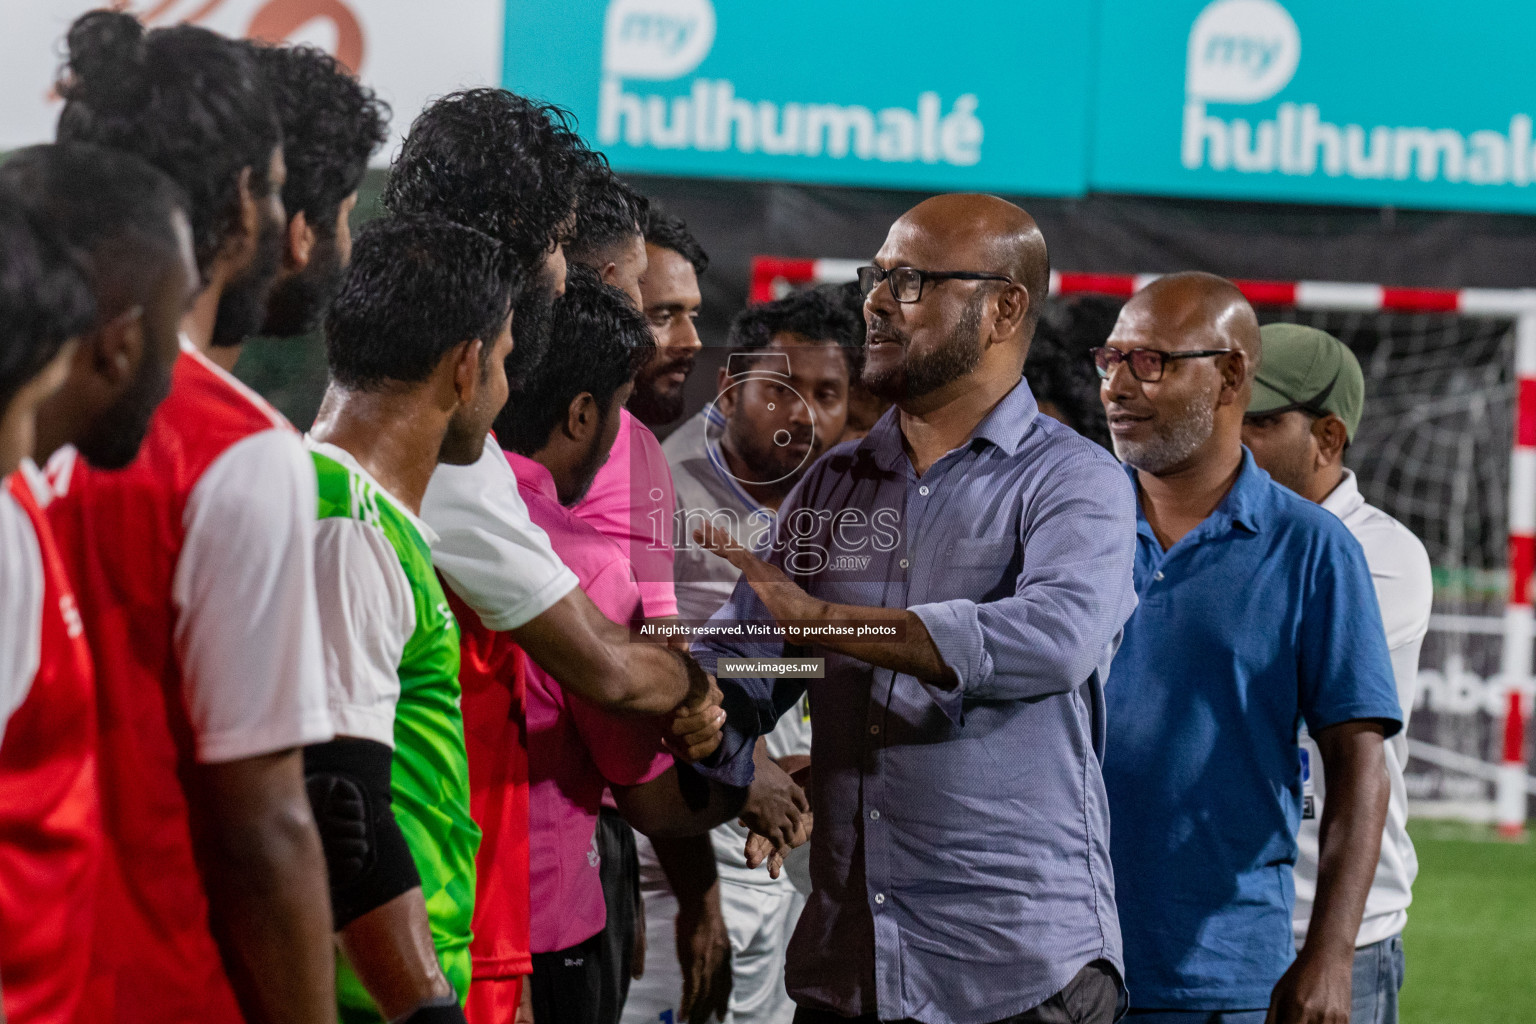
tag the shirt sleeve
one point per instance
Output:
(626, 749)
(21, 606)
(1073, 594)
(247, 629)
(631, 502)
(490, 552)
(367, 614)
(1346, 670)
(752, 705)
(1405, 589)
(655, 501)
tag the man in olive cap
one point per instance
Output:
(1306, 406)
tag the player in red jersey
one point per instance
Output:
(126, 219)
(45, 302)
(195, 574)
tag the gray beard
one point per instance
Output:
(1163, 453)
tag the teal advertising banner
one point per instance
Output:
(1370, 102)
(992, 94)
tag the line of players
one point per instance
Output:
(236, 742)
(277, 747)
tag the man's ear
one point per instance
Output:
(610, 272)
(116, 348)
(301, 242)
(250, 211)
(725, 394)
(1331, 436)
(1013, 305)
(581, 419)
(1234, 374)
(466, 371)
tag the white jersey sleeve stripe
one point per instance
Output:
(367, 614)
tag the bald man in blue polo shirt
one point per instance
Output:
(1256, 614)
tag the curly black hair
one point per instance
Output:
(1060, 370)
(331, 123)
(820, 314)
(501, 163)
(187, 100)
(416, 287)
(45, 296)
(607, 212)
(666, 231)
(600, 341)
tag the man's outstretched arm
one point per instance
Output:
(266, 880)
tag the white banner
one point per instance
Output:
(408, 51)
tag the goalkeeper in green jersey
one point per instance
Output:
(416, 340)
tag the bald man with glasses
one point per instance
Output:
(1256, 614)
(960, 873)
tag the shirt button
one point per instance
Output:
(1157, 575)
(874, 730)
(879, 897)
(874, 815)
(923, 490)
(903, 563)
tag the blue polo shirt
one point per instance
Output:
(1261, 618)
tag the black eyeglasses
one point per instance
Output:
(907, 282)
(1147, 364)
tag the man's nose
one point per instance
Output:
(687, 338)
(881, 300)
(1121, 383)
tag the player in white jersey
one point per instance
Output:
(1306, 407)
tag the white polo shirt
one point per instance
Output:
(1400, 570)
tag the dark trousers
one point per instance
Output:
(1093, 996)
(567, 984)
(620, 873)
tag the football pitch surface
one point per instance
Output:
(1471, 936)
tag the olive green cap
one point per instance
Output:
(1305, 368)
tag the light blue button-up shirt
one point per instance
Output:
(961, 865)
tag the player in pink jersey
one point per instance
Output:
(126, 220)
(194, 569)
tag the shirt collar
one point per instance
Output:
(722, 470)
(338, 454)
(1245, 502)
(1345, 497)
(1243, 505)
(533, 474)
(1005, 426)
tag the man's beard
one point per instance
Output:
(114, 439)
(771, 464)
(1171, 449)
(595, 458)
(920, 374)
(297, 303)
(243, 306)
(532, 321)
(652, 403)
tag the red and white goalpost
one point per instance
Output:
(1516, 630)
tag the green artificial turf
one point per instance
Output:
(1471, 937)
